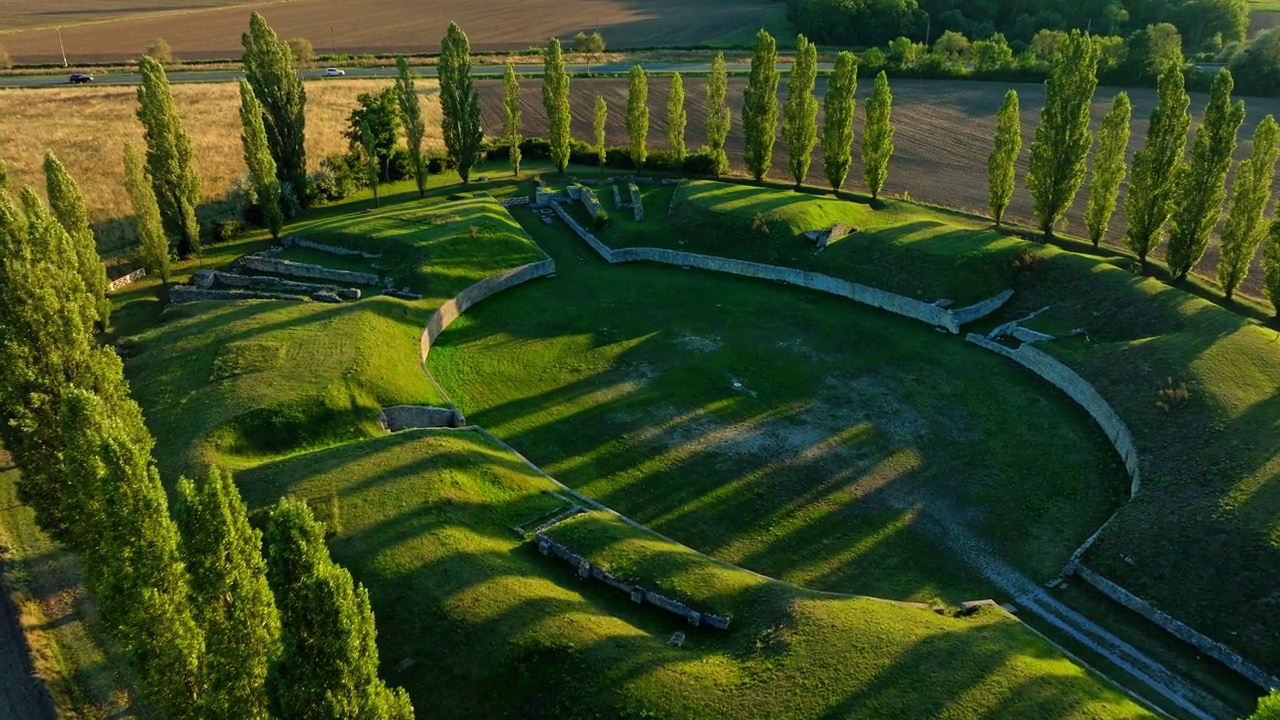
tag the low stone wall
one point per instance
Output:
(262, 263)
(125, 280)
(411, 417)
(638, 594)
(188, 293)
(205, 279)
(1079, 390)
(637, 205)
(980, 310)
(295, 241)
(675, 195)
(451, 309)
(896, 304)
(590, 200)
(1177, 628)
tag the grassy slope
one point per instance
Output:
(496, 630)
(234, 382)
(853, 427)
(1204, 534)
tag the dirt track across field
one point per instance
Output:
(943, 132)
(389, 26)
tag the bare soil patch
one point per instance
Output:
(942, 137)
(393, 26)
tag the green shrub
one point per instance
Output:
(227, 229)
(601, 220)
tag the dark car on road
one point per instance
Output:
(80, 78)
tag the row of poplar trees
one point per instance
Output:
(1172, 195)
(217, 622)
(460, 107)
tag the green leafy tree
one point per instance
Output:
(170, 159)
(877, 136)
(760, 107)
(677, 120)
(638, 114)
(1268, 707)
(719, 118)
(1004, 154)
(46, 348)
(991, 54)
(1151, 189)
(1250, 195)
(160, 51)
(1201, 183)
(555, 99)
(1062, 140)
(232, 602)
(415, 129)
(132, 564)
(153, 247)
(592, 46)
(328, 668)
(800, 113)
(380, 114)
(303, 52)
(68, 208)
(1108, 168)
(257, 157)
(837, 121)
(459, 102)
(368, 150)
(512, 113)
(1155, 48)
(601, 119)
(1271, 265)
(269, 68)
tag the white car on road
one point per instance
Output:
(334, 72)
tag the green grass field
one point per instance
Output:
(855, 437)
(475, 623)
(1204, 534)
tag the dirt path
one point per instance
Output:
(22, 695)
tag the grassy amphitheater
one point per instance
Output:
(829, 480)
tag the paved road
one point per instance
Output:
(186, 76)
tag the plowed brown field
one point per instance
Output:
(363, 26)
(943, 132)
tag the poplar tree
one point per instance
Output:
(232, 602)
(677, 120)
(601, 119)
(638, 114)
(411, 118)
(46, 348)
(170, 160)
(719, 118)
(760, 107)
(1062, 140)
(837, 122)
(153, 247)
(328, 666)
(512, 112)
(459, 102)
(1271, 265)
(1201, 183)
(800, 113)
(1109, 168)
(131, 562)
(68, 207)
(1151, 189)
(555, 99)
(877, 136)
(1000, 165)
(369, 151)
(257, 157)
(269, 68)
(1250, 195)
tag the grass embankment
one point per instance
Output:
(233, 383)
(1202, 539)
(850, 429)
(476, 624)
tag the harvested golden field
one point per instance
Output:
(389, 26)
(87, 127)
(943, 132)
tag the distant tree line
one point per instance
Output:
(1204, 23)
